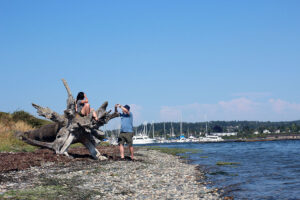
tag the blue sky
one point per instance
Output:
(226, 60)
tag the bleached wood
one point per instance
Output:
(72, 127)
(49, 114)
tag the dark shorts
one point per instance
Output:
(125, 137)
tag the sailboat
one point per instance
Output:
(143, 138)
(181, 137)
(163, 139)
(210, 138)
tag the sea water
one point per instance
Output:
(249, 170)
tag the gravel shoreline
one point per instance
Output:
(154, 175)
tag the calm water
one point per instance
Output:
(266, 170)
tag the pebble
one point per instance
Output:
(154, 176)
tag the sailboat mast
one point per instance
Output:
(172, 130)
(153, 129)
(206, 129)
(181, 128)
(165, 130)
(180, 123)
(206, 125)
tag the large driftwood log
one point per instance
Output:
(69, 128)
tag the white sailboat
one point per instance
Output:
(143, 138)
(210, 138)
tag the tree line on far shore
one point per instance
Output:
(242, 128)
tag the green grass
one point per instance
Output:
(174, 151)
(53, 188)
(227, 163)
(17, 148)
(102, 144)
(76, 145)
(9, 143)
(39, 192)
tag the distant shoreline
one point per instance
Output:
(268, 138)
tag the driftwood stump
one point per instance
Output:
(69, 128)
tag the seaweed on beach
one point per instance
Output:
(174, 151)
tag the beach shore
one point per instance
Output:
(154, 175)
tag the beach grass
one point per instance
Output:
(9, 142)
(11, 123)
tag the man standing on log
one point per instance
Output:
(126, 133)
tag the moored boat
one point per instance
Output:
(211, 138)
(143, 139)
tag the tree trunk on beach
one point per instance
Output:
(69, 128)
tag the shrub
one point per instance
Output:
(29, 119)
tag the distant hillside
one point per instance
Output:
(7, 118)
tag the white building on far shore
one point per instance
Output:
(266, 131)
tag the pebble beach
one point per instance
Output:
(154, 175)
